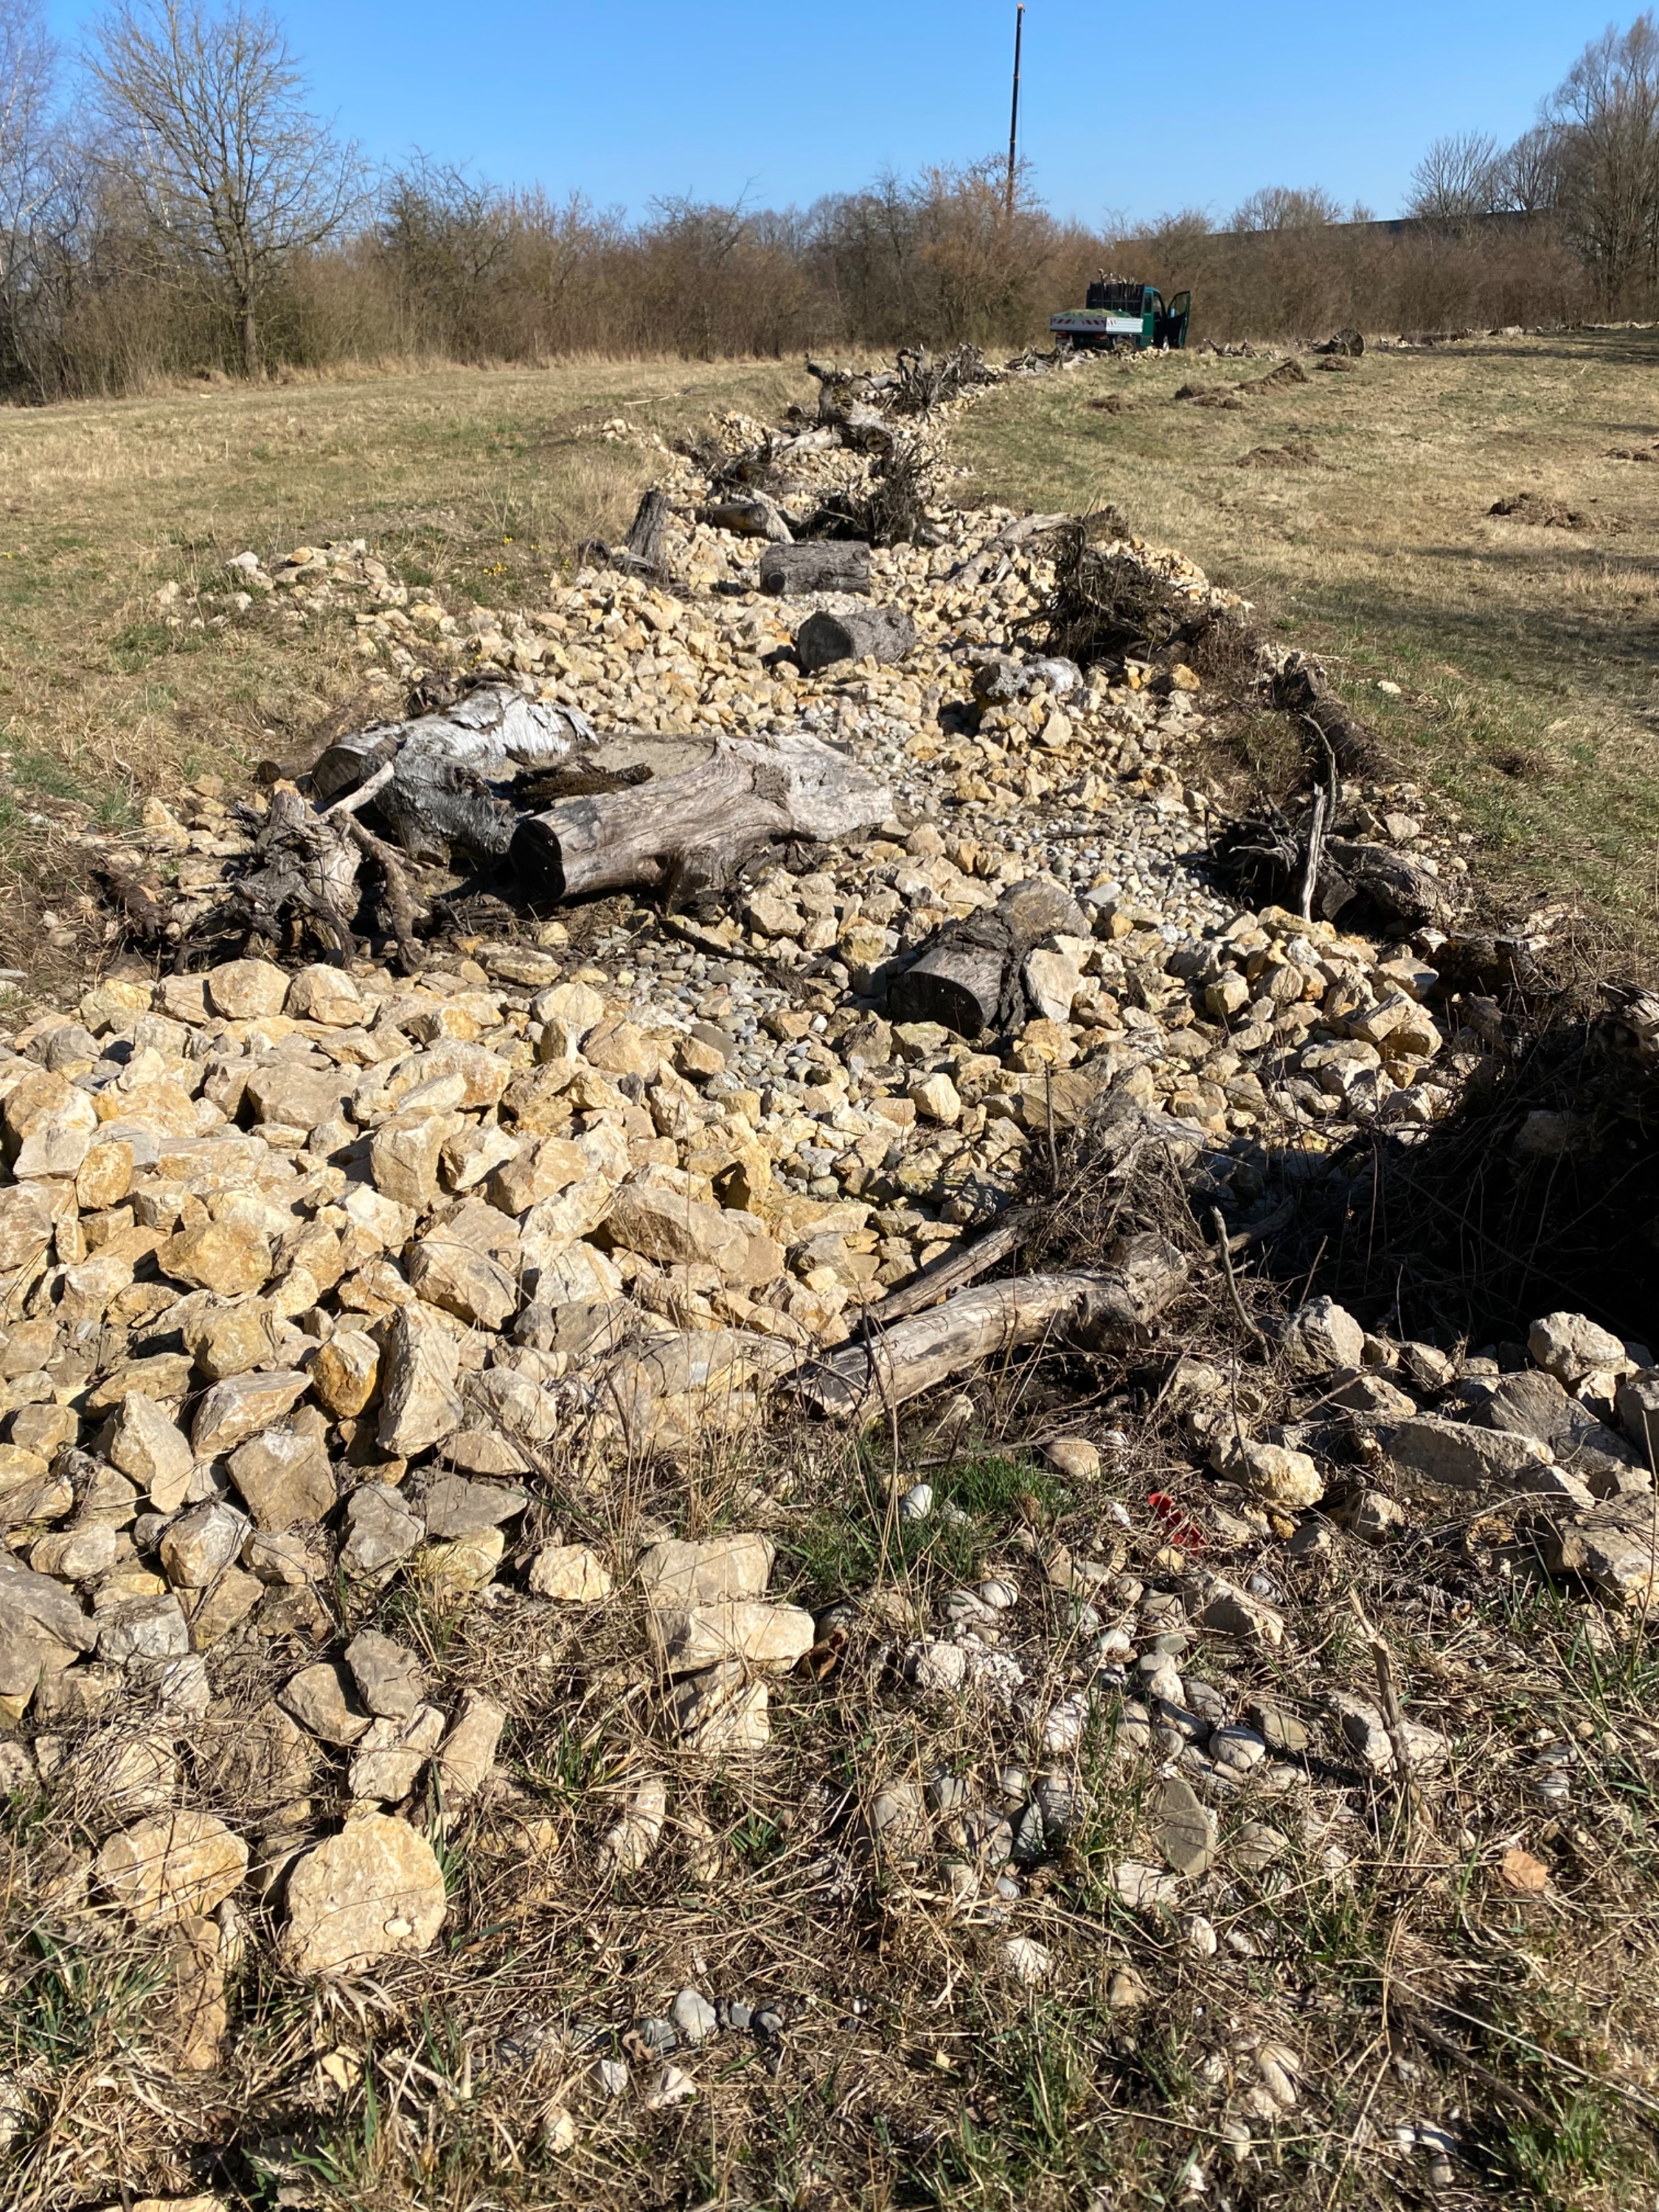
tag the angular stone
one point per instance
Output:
(1223, 1605)
(284, 1477)
(455, 1507)
(936, 1098)
(1053, 980)
(1611, 1548)
(390, 1680)
(345, 1373)
(142, 1628)
(571, 1573)
(105, 1175)
(218, 1609)
(246, 990)
(722, 1710)
(420, 1405)
(1323, 1335)
(1465, 1457)
(79, 1554)
(1362, 1727)
(759, 1634)
(677, 1575)
(383, 1530)
(403, 1158)
(468, 1752)
(322, 1699)
(181, 1862)
(1186, 1828)
(465, 1282)
(254, 1762)
(44, 1430)
(232, 1339)
(201, 1543)
(146, 1445)
(466, 1563)
(240, 1406)
(374, 1890)
(25, 1227)
(117, 1775)
(1569, 1346)
(386, 1764)
(321, 994)
(1276, 1473)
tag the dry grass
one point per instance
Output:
(471, 483)
(1526, 657)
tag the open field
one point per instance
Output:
(1527, 656)
(476, 485)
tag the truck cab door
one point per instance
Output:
(1173, 320)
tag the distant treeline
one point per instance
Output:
(169, 206)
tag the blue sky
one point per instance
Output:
(1131, 107)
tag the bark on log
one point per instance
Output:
(958, 985)
(685, 831)
(825, 565)
(442, 767)
(883, 634)
(644, 545)
(1106, 1309)
(968, 979)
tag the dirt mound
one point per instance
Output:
(1543, 514)
(1112, 403)
(1297, 453)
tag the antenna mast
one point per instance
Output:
(1013, 119)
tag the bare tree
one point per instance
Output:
(1286, 207)
(28, 63)
(207, 120)
(1529, 174)
(1457, 178)
(1606, 116)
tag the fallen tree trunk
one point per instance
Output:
(835, 564)
(430, 780)
(883, 634)
(684, 832)
(1109, 1308)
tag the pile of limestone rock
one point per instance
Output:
(309, 1276)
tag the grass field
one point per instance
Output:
(1527, 656)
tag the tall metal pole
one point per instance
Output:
(1014, 119)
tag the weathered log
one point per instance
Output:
(968, 979)
(965, 1265)
(642, 553)
(645, 534)
(748, 515)
(1111, 1308)
(1402, 887)
(687, 831)
(883, 634)
(827, 565)
(442, 767)
(959, 984)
